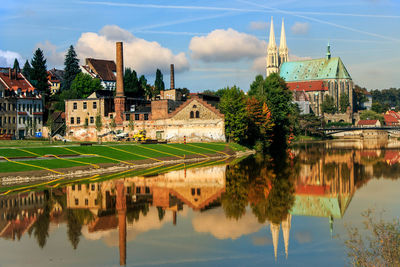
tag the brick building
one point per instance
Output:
(170, 118)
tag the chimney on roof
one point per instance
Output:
(172, 86)
(120, 70)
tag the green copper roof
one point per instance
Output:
(315, 69)
(320, 206)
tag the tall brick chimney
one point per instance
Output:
(119, 100)
(172, 77)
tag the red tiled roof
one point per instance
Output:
(308, 86)
(367, 122)
(390, 119)
(15, 84)
(394, 114)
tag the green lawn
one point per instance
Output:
(110, 153)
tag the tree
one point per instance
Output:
(71, 68)
(39, 72)
(131, 124)
(146, 88)
(328, 105)
(50, 126)
(27, 70)
(99, 126)
(132, 84)
(257, 86)
(371, 115)
(159, 83)
(84, 85)
(378, 107)
(233, 106)
(16, 66)
(113, 124)
(359, 98)
(344, 102)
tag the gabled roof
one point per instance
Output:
(390, 118)
(20, 82)
(199, 99)
(367, 122)
(103, 68)
(315, 69)
(307, 86)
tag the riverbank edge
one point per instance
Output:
(24, 179)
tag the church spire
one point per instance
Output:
(272, 43)
(283, 50)
(272, 52)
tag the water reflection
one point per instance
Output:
(308, 181)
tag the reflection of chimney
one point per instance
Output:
(119, 100)
(120, 70)
(174, 217)
(9, 73)
(121, 210)
(172, 77)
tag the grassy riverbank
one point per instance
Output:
(19, 158)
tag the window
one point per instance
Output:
(147, 190)
(91, 120)
(193, 191)
(78, 120)
(94, 105)
(75, 105)
(95, 201)
(198, 191)
(146, 117)
(79, 187)
(137, 190)
(86, 202)
(76, 201)
(127, 117)
(13, 119)
(137, 117)
(93, 187)
(111, 116)
(197, 114)
(86, 121)
(191, 114)
(73, 187)
(72, 120)
(84, 105)
(194, 106)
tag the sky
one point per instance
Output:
(213, 44)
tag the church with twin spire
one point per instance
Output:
(275, 56)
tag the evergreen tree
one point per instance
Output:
(71, 68)
(39, 72)
(16, 66)
(159, 83)
(144, 87)
(131, 83)
(26, 71)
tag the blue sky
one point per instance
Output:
(213, 44)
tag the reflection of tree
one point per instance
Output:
(133, 212)
(161, 213)
(75, 219)
(234, 200)
(41, 227)
(382, 169)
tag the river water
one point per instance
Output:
(289, 209)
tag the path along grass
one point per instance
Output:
(109, 153)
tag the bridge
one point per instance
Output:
(335, 130)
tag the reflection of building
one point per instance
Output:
(275, 228)
(112, 202)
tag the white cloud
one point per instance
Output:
(141, 55)
(260, 64)
(226, 46)
(259, 25)
(297, 58)
(53, 57)
(300, 28)
(215, 222)
(7, 58)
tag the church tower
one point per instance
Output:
(283, 50)
(272, 52)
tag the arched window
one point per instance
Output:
(194, 106)
(191, 114)
(197, 114)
